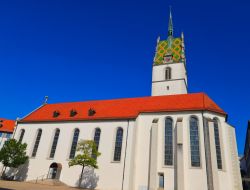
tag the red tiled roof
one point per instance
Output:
(123, 108)
(7, 125)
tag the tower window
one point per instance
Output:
(168, 73)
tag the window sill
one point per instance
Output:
(222, 170)
(168, 166)
(193, 167)
(115, 162)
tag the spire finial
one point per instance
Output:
(46, 98)
(170, 23)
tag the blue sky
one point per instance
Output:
(83, 50)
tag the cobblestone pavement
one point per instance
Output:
(13, 185)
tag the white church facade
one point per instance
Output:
(173, 140)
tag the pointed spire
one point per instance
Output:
(156, 48)
(170, 24)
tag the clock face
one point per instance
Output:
(168, 59)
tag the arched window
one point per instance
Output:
(38, 138)
(168, 73)
(21, 135)
(194, 142)
(74, 144)
(168, 147)
(97, 137)
(118, 144)
(54, 144)
(217, 144)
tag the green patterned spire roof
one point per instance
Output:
(170, 50)
(176, 49)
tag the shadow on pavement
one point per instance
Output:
(5, 189)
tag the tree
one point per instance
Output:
(13, 154)
(87, 157)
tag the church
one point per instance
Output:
(171, 140)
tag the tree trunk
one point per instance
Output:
(80, 180)
(3, 172)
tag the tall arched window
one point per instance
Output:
(74, 144)
(118, 144)
(54, 144)
(38, 138)
(168, 73)
(194, 142)
(217, 144)
(21, 135)
(168, 151)
(97, 137)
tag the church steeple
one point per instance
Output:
(169, 68)
(170, 24)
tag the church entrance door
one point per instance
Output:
(54, 171)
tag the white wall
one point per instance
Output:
(109, 174)
(142, 153)
(177, 84)
(191, 174)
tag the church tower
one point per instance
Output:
(169, 75)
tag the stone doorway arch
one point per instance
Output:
(54, 170)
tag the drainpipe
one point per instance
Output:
(16, 123)
(124, 164)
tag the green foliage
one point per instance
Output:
(87, 157)
(13, 153)
(87, 154)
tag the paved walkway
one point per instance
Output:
(13, 185)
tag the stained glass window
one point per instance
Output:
(217, 144)
(38, 138)
(54, 144)
(168, 152)
(21, 135)
(194, 142)
(74, 144)
(118, 144)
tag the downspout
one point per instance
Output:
(149, 159)
(16, 123)
(124, 164)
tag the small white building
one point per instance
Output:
(172, 140)
(6, 130)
